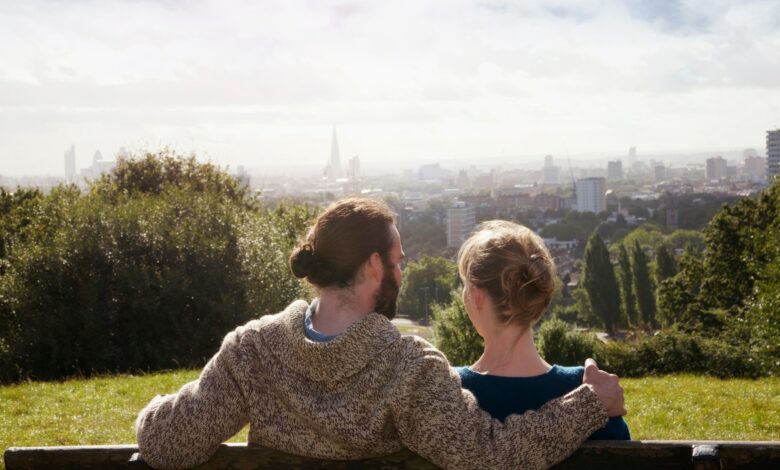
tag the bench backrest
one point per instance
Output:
(635, 455)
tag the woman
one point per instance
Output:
(509, 280)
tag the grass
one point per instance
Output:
(685, 407)
(102, 410)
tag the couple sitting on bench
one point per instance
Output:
(335, 379)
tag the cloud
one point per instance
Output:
(520, 73)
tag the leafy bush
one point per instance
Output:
(454, 334)
(672, 351)
(559, 344)
(135, 276)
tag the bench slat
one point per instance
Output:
(636, 455)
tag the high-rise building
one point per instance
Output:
(354, 168)
(591, 195)
(70, 164)
(660, 173)
(333, 170)
(461, 221)
(551, 174)
(615, 170)
(754, 169)
(716, 168)
(631, 158)
(772, 154)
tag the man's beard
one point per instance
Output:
(386, 296)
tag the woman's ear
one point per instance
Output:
(478, 297)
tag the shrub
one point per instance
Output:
(454, 334)
(140, 277)
(673, 351)
(559, 344)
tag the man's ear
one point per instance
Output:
(375, 267)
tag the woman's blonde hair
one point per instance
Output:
(512, 264)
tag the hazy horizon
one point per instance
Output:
(262, 84)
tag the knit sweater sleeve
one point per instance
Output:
(443, 423)
(184, 429)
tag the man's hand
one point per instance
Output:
(606, 387)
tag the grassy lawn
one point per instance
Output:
(102, 410)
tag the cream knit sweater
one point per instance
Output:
(367, 393)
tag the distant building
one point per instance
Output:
(632, 158)
(615, 170)
(461, 221)
(354, 173)
(660, 173)
(716, 169)
(333, 170)
(242, 176)
(749, 153)
(754, 169)
(99, 166)
(772, 154)
(551, 174)
(70, 164)
(433, 171)
(591, 195)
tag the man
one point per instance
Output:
(335, 379)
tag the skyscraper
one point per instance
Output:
(461, 221)
(772, 154)
(591, 195)
(333, 170)
(754, 169)
(716, 168)
(551, 174)
(70, 164)
(615, 170)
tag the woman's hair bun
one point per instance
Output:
(302, 261)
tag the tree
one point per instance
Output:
(426, 282)
(133, 276)
(627, 286)
(600, 283)
(453, 332)
(665, 265)
(735, 253)
(643, 285)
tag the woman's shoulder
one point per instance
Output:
(568, 371)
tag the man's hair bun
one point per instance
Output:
(303, 260)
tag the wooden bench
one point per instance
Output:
(634, 455)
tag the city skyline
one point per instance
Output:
(261, 85)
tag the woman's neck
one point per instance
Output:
(510, 351)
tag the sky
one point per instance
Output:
(262, 84)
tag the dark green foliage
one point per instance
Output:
(644, 287)
(559, 344)
(157, 172)
(574, 226)
(627, 286)
(665, 265)
(600, 283)
(17, 212)
(140, 275)
(426, 282)
(736, 249)
(763, 314)
(678, 295)
(454, 334)
(670, 352)
(424, 234)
